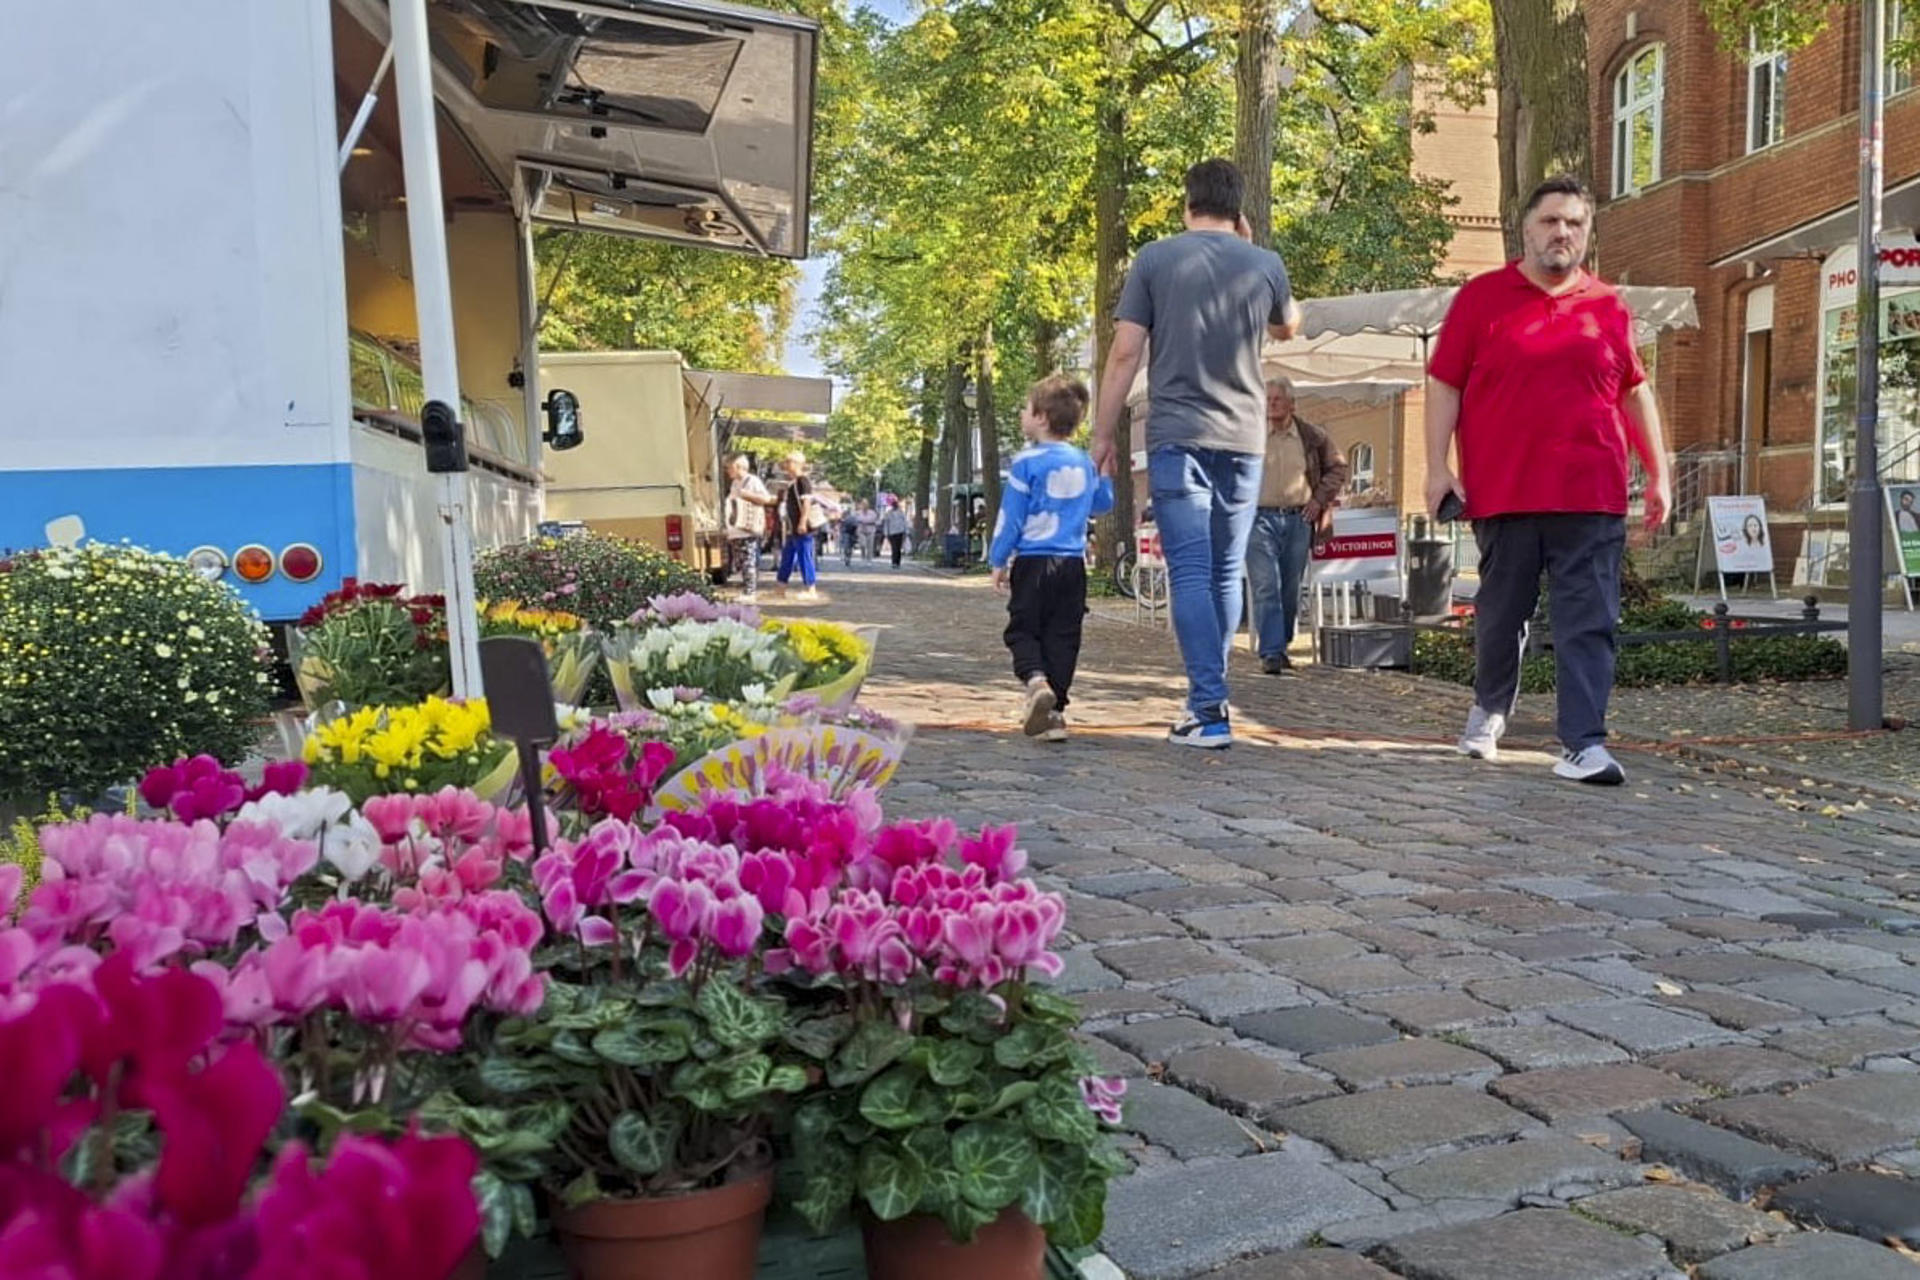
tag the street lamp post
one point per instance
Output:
(1866, 514)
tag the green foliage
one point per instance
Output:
(372, 648)
(1793, 24)
(604, 579)
(114, 659)
(718, 310)
(977, 1111)
(20, 844)
(1755, 659)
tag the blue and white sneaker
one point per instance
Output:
(1208, 735)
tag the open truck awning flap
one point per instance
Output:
(677, 120)
(755, 393)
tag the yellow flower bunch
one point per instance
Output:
(512, 618)
(820, 644)
(421, 747)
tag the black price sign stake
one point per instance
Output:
(513, 671)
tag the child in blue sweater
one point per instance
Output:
(1052, 492)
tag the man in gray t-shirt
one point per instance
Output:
(1207, 298)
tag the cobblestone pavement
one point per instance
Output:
(1389, 1012)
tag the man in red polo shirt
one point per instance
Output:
(1536, 370)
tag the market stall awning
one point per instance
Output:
(1419, 313)
(763, 392)
(1368, 365)
(678, 120)
(1820, 236)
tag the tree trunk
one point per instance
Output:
(958, 463)
(1046, 347)
(929, 434)
(1540, 50)
(1256, 87)
(989, 432)
(1110, 268)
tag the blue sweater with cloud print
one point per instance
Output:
(1052, 492)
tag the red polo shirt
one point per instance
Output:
(1540, 377)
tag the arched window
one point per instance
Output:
(1637, 94)
(1361, 480)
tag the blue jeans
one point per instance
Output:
(1203, 503)
(1276, 561)
(798, 551)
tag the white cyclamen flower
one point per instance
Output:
(353, 848)
(300, 816)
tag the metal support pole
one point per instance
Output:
(365, 113)
(1865, 515)
(433, 304)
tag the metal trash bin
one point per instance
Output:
(1429, 577)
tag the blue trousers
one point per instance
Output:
(1276, 561)
(799, 550)
(1203, 503)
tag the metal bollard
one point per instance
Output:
(1723, 641)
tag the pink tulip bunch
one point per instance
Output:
(199, 787)
(75, 1054)
(611, 775)
(155, 890)
(411, 975)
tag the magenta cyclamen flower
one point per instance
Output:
(1102, 1095)
(194, 788)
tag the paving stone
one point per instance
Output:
(1738, 1068)
(1904, 979)
(1640, 1027)
(1848, 1044)
(1183, 1123)
(1198, 897)
(1871, 1205)
(1127, 883)
(1259, 922)
(1732, 928)
(1742, 901)
(1543, 1047)
(1357, 976)
(1696, 1222)
(1379, 884)
(1571, 1093)
(1824, 953)
(1809, 1255)
(1166, 961)
(1468, 967)
(1306, 948)
(1313, 1029)
(1570, 945)
(1737, 1165)
(1404, 1062)
(1122, 1002)
(1246, 1083)
(1551, 1166)
(1109, 1060)
(1614, 973)
(1538, 917)
(1731, 1009)
(1178, 1222)
(1535, 1244)
(1431, 1012)
(1641, 906)
(1158, 1039)
(1658, 939)
(1537, 992)
(1304, 1264)
(1390, 1122)
(1825, 997)
(1810, 1124)
(1893, 1099)
(1559, 888)
(1405, 944)
(1724, 968)
(1810, 921)
(1083, 973)
(1119, 927)
(1220, 996)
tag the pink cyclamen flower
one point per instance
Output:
(1102, 1095)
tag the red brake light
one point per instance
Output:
(253, 564)
(301, 562)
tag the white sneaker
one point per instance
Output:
(1595, 764)
(1056, 728)
(1039, 709)
(1482, 737)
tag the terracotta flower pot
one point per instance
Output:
(919, 1247)
(713, 1234)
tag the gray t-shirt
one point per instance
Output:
(1205, 299)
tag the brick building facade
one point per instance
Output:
(1735, 173)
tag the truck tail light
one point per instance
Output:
(209, 562)
(676, 533)
(253, 564)
(301, 562)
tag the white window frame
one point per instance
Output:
(1628, 108)
(1766, 74)
(1360, 478)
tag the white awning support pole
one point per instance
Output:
(365, 113)
(433, 303)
